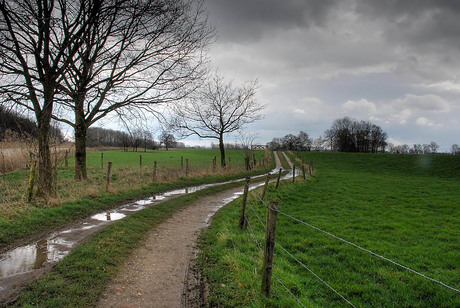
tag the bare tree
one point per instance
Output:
(37, 39)
(167, 139)
(218, 109)
(434, 147)
(454, 149)
(136, 55)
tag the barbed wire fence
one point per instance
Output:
(259, 200)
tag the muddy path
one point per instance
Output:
(24, 264)
(154, 275)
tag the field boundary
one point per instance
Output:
(278, 279)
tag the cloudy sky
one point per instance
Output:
(394, 63)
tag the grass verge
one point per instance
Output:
(402, 207)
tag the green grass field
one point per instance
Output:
(403, 207)
(200, 158)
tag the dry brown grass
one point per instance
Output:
(13, 201)
(17, 155)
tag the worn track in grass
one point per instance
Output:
(154, 274)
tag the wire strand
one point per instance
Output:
(314, 274)
(276, 277)
(370, 252)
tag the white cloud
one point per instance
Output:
(424, 103)
(301, 111)
(362, 106)
(422, 121)
(445, 86)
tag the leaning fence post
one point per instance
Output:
(265, 187)
(278, 179)
(154, 171)
(66, 158)
(30, 187)
(267, 269)
(109, 171)
(293, 173)
(243, 221)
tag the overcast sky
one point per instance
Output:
(394, 63)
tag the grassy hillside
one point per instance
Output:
(405, 208)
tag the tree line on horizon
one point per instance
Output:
(344, 135)
(349, 135)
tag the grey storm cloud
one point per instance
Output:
(243, 20)
(393, 61)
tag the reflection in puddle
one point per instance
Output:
(26, 258)
(144, 201)
(108, 216)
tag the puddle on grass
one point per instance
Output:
(26, 259)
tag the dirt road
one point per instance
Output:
(154, 274)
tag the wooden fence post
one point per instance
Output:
(265, 187)
(30, 187)
(214, 163)
(229, 163)
(254, 160)
(140, 161)
(55, 172)
(66, 158)
(267, 269)
(243, 221)
(154, 171)
(186, 167)
(293, 173)
(303, 172)
(102, 160)
(182, 163)
(279, 177)
(109, 174)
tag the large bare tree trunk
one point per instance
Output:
(222, 151)
(81, 130)
(45, 181)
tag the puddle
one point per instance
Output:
(109, 216)
(27, 258)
